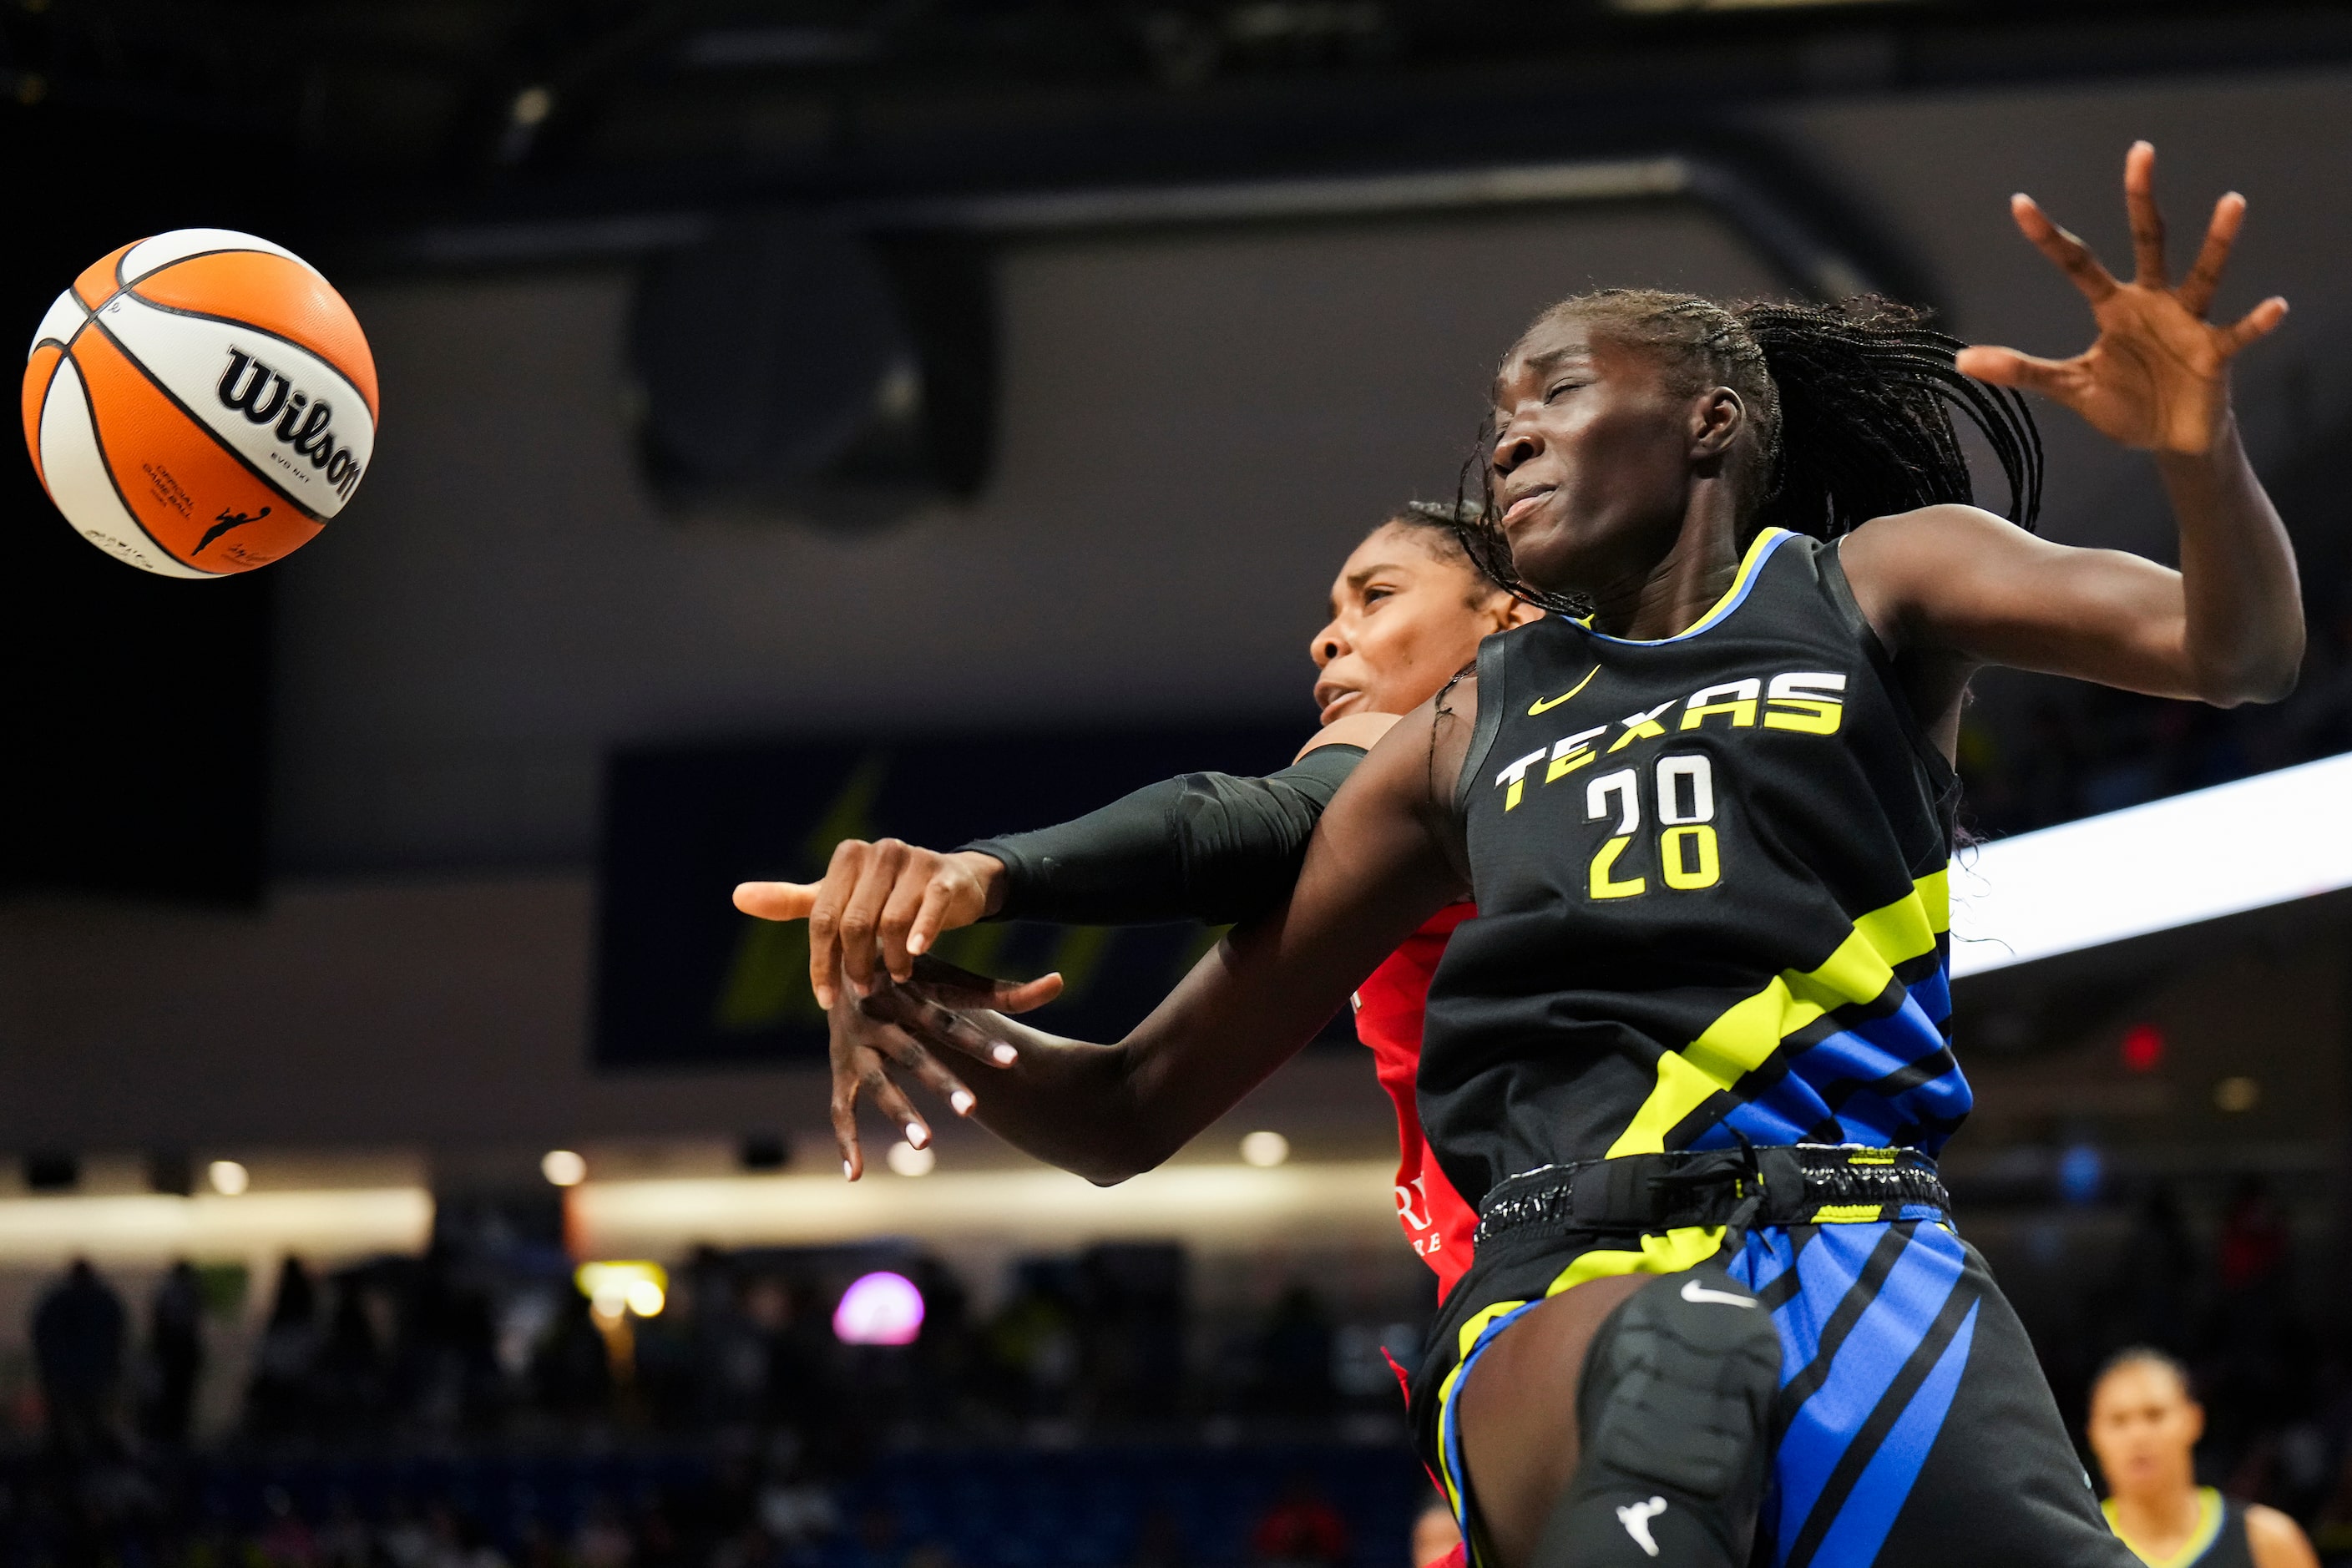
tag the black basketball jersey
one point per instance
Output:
(2220, 1539)
(1710, 878)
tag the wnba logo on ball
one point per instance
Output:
(262, 395)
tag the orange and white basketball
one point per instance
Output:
(200, 403)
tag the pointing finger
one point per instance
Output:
(2071, 255)
(2205, 277)
(776, 900)
(2146, 218)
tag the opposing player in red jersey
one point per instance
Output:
(1408, 610)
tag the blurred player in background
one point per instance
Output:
(2144, 1424)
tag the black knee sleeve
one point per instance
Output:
(1673, 1410)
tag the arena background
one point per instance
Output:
(770, 388)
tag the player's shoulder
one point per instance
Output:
(2275, 1540)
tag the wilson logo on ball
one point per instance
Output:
(200, 403)
(261, 394)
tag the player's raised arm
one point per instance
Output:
(1954, 584)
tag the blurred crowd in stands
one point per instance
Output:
(384, 1406)
(424, 1412)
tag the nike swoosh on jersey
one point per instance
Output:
(1694, 1291)
(1544, 706)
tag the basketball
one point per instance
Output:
(199, 404)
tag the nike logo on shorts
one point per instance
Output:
(1636, 1517)
(1694, 1291)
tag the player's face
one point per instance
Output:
(1591, 462)
(1406, 612)
(2144, 1427)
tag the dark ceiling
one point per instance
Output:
(344, 117)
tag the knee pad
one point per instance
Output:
(1675, 1410)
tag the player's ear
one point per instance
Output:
(2196, 1421)
(1716, 420)
(1507, 612)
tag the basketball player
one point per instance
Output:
(1407, 609)
(1692, 1059)
(2143, 1428)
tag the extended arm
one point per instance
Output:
(1954, 587)
(1378, 865)
(1209, 845)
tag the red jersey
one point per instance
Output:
(1389, 1009)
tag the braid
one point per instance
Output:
(1849, 405)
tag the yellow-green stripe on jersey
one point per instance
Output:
(1893, 1026)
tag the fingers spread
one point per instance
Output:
(845, 1126)
(2257, 323)
(941, 1026)
(892, 1102)
(2205, 277)
(2071, 255)
(2146, 219)
(2007, 367)
(775, 900)
(911, 1056)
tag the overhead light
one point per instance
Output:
(908, 1161)
(1265, 1150)
(2236, 1095)
(2269, 839)
(564, 1167)
(531, 107)
(228, 1178)
(626, 1289)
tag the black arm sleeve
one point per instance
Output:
(1206, 846)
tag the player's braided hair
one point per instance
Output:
(1849, 405)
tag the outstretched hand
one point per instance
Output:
(2157, 377)
(895, 1030)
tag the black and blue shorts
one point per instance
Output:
(1913, 1425)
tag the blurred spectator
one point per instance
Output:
(570, 1373)
(79, 1328)
(1295, 1361)
(176, 1345)
(1435, 1536)
(797, 1511)
(278, 1403)
(348, 1375)
(1300, 1531)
